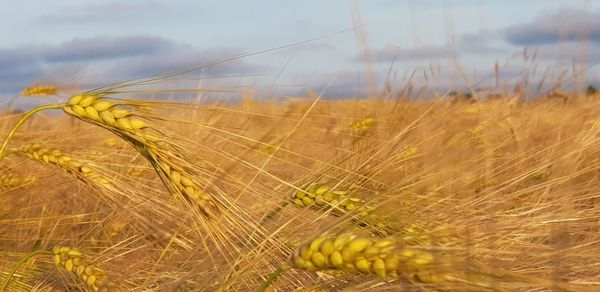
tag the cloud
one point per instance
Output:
(390, 53)
(569, 52)
(184, 58)
(566, 24)
(99, 48)
(16, 67)
(102, 60)
(485, 42)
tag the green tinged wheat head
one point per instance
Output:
(115, 117)
(72, 261)
(65, 162)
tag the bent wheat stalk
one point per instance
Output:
(38, 90)
(19, 264)
(115, 117)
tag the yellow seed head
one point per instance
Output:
(39, 91)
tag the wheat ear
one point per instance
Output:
(340, 203)
(70, 259)
(11, 181)
(65, 162)
(38, 90)
(390, 258)
(113, 116)
(32, 91)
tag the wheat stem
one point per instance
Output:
(272, 277)
(21, 122)
(19, 264)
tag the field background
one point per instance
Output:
(480, 170)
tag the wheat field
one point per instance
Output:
(115, 190)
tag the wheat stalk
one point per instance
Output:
(115, 117)
(37, 90)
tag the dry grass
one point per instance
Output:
(499, 194)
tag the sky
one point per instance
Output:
(343, 48)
